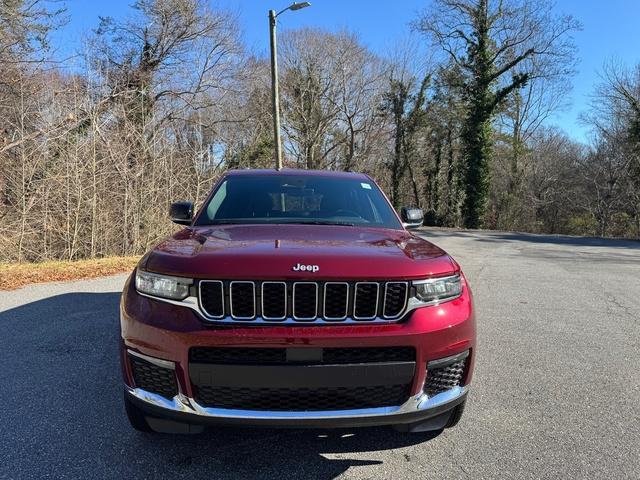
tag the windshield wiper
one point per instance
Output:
(320, 222)
(226, 222)
(282, 221)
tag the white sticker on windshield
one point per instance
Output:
(366, 185)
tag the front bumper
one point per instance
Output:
(158, 330)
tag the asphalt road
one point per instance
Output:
(556, 392)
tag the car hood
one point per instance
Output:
(272, 252)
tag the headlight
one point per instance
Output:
(438, 289)
(176, 288)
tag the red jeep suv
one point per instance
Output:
(296, 298)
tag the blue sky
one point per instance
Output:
(611, 29)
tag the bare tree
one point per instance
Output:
(174, 57)
(615, 120)
(553, 190)
(331, 87)
(25, 27)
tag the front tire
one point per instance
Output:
(136, 418)
(435, 425)
(456, 415)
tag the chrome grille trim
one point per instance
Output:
(290, 321)
(293, 303)
(194, 303)
(202, 304)
(253, 287)
(324, 301)
(384, 301)
(286, 294)
(355, 300)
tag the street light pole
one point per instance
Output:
(275, 94)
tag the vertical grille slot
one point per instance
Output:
(365, 302)
(274, 300)
(242, 300)
(336, 300)
(395, 299)
(305, 300)
(212, 298)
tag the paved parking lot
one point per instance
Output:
(556, 391)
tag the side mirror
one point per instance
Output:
(181, 213)
(411, 217)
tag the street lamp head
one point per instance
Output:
(299, 5)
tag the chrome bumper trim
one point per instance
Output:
(156, 361)
(181, 403)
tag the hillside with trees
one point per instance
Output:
(162, 102)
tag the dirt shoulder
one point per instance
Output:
(16, 275)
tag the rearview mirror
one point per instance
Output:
(411, 217)
(181, 213)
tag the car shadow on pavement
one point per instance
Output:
(273, 454)
(63, 416)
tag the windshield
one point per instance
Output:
(246, 199)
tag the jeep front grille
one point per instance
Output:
(302, 302)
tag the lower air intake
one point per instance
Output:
(443, 378)
(303, 399)
(278, 356)
(153, 378)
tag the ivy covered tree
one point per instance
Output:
(406, 106)
(499, 46)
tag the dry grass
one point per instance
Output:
(16, 275)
